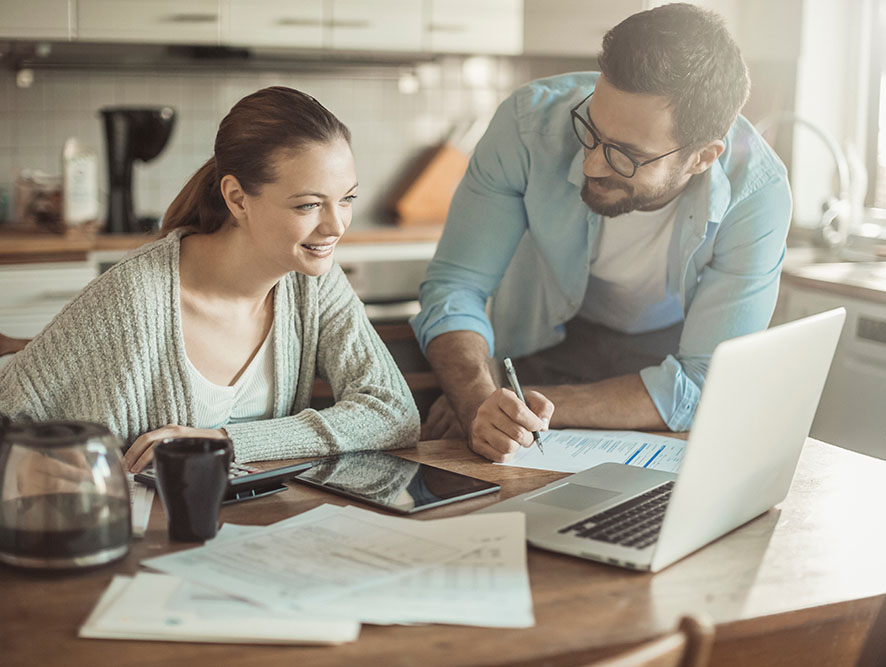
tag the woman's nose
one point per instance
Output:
(335, 220)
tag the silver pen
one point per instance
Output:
(515, 385)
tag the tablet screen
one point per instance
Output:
(388, 481)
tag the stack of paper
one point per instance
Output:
(160, 607)
(316, 576)
(574, 450)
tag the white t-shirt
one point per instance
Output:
(627, 288)
(250, 398)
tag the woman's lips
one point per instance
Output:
(319, 249)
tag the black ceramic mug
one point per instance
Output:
(192, 475)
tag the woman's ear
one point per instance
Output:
(234, 196)
(706, 156)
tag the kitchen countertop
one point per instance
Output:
(74, 245)
(858, 280)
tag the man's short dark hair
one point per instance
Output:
(687, 55)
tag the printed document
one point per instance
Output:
(162, 607)
(489, 586)
(328, 553)
(574, 450)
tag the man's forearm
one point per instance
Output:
(460, 360)
(617, 403)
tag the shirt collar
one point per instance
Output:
(576, 169)
(720, 190)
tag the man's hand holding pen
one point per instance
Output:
(504, 423)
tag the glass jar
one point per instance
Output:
(64, 496)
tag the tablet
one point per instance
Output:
(392, 483)
(244, 482)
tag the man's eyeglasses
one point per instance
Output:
(622, 163)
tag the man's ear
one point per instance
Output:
(706, 156)
(234, 197)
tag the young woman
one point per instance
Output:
(220, 327)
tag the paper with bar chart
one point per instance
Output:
(574, 450)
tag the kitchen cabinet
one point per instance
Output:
(274, 23)
(32, 294)
(467, 26)
(572, 27)
(158, 21)
(381, 25)
(35, 19)
(407, 26)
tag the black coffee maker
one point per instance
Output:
(131, 133)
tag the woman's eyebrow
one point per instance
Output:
(318, 194)
(307, 194)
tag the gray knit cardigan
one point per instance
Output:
(116, 355)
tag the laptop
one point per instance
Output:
(755, 411)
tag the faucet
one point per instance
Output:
(837, 211)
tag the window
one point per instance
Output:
(877, 119)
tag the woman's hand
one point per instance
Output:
(441, 422)
(141, 452)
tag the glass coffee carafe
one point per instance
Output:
(64, 496)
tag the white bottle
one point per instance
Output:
(79, 183)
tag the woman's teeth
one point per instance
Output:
(318, 248)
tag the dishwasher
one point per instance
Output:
(852, 409)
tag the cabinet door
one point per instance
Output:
(382, 25)
(34, 19)
(277, 23)
(159, 21)
(467, 26)
(32, 294)
(572, 27)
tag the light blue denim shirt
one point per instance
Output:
(518, 232)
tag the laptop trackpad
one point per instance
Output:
(574, 497)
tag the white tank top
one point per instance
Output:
(250, 398)
(627, 287)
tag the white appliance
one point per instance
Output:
(852, 410)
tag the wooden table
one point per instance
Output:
(799, 585)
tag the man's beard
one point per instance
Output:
(632, 200)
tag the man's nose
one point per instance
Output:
(595, 165)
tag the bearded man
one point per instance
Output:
(612, 228)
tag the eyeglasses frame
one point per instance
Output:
(608, 147)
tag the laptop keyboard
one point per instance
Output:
(633, 523)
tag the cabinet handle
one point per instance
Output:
(193, 18)
(293, 22)
(349, 23)
(447, 27)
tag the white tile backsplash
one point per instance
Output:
(388, 127)
(97, 91)
(31, 131)
(27, 100)
(6, 133)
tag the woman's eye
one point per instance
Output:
(308, 207)
(349, 199)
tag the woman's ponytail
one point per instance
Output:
(200, 205)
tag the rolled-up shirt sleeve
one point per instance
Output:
(736, 295)
(487, 219)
